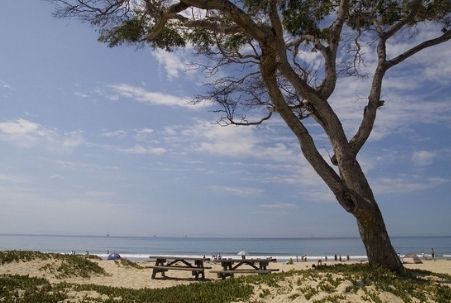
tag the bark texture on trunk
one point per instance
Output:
(370, 222)
(375, 238)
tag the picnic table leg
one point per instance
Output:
(199, 264)
(159, 262)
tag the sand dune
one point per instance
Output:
(119, 275)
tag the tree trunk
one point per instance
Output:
(377, 243)
(371, 224)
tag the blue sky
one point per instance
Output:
(96, 140)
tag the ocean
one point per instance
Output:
(281, 248)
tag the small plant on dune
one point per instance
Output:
(265, 292)
(325, 286)
(413, 286)
(331, 299)
(308, 292)
(25, 256)
(299, 282)
(70, 265)
(78, 266)
(92, 257)
(128, 263)
(15, 288)
(373, 296)
(219, 292)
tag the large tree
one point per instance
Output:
(258, 46)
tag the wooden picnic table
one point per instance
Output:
(165, 263)
(232, 266)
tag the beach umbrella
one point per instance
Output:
(113, 256)
(411, 259)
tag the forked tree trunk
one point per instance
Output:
(375, 238)
(351, 187)
(371, 224)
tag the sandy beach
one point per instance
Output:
(119, 275)
(39, 277)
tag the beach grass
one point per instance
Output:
(63, 266)
(128, 263)
(28, 289)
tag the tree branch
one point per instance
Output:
(171, 12)
(244, 122)
(308, 147)
(374, 102)
(330, 53)
(412, 51)
(322, 111)
(236, 14)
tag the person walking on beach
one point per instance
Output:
(433, 254)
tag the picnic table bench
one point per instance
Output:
(165, 263)
(231, 267)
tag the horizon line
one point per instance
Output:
(208, 237)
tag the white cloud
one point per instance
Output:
(405, 184)
(239, 191)
(406, 90)
(72, 140)
(404, 107)
(155, 98)
(170, 131)
(143, 134)
(26, 133)
(114, 134)
(224, 141)
(22, 127)
(141, 150)
(238, 141)
(82, 95)
(423, 157)
(5, 85)
(174, 63)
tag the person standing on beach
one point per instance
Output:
(433, 254)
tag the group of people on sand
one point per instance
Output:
(336, 258)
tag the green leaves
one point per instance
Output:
(235, 41)
(364, 14)
(130, 31)
(169, 38)
(304, 16)
(135, 30)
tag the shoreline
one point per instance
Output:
(280, 258)
(138, 248)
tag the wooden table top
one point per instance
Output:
(246, 260)
(179, 258)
